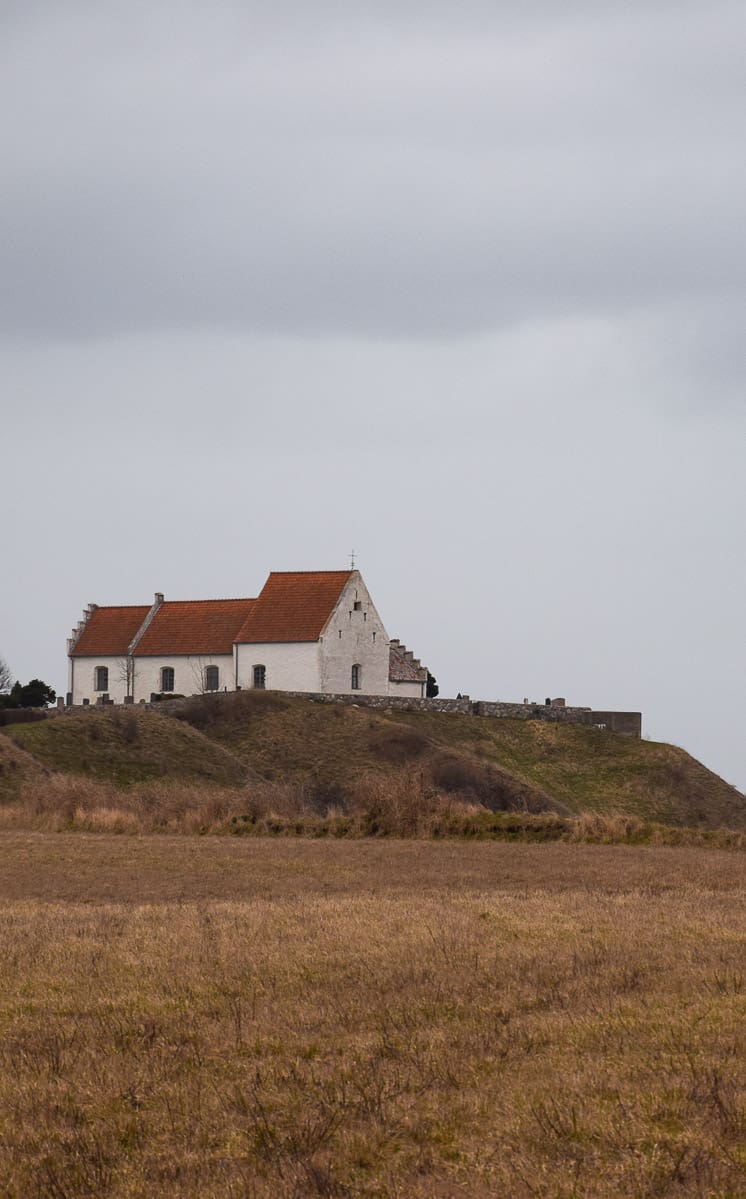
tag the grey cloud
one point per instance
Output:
(364, 174)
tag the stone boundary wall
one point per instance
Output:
(401, 703)
(550, 712)
(628, 724)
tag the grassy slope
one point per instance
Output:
(579, 768)
(589, 769)
(329, 746)
(506, 763)
(127, 747)
(16, 767)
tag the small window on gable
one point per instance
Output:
(212, 678)
(340, 632)
(356, 679)
(260, 677)
(167, 678)
(358, 605)
(101, 680)
(374, 634)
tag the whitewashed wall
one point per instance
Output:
(408, 689)
(81, 679)
(290, 665)
(187, 673)
(355, 637)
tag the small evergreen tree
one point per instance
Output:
(432, 686)
(35, 694)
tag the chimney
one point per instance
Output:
(146, 623)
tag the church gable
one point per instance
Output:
(354, 651)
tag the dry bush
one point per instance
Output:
(70, 802)
(402, 805)
(128, 725)
(405, 804)
(483, 783)
(398, 745)
(325, 795)
(204, 712)
(608, 828)
(598, 828)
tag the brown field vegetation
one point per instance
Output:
(395, 1019)
(405, 804)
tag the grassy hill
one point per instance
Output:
(16, 768)
(327, 748)
(124, 747)
(590, 769)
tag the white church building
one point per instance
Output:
(311, 631)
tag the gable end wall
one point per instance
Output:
(348, 638)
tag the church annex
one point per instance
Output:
(312, 631)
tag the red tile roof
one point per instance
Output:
(109, 631)
(294, 605)
(194, 627)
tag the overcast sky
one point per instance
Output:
(461, 286)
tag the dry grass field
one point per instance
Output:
(184, 1016)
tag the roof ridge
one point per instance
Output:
(118, 607)
(218, 599)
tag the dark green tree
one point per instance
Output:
(432, 686)
(35, 694)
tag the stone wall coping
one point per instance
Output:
(626, 723)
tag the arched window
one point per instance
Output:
(260, 676)
(167, 678)
(101, 680)
(212, 678)
(357, 675)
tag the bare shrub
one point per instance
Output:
(484, 783)
(404, 805)
(324, 795)
(398, 745)
(608, 828)
(128, 726)
(204, 712)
